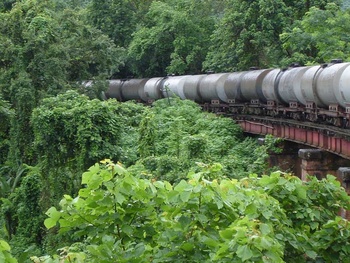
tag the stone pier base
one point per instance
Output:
(344, 174)
(319, 163)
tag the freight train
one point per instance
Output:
(318, 94)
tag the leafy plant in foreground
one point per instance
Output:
(121, 218)
(5, 255)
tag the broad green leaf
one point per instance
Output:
(265, 243)
(311, 254)
(210, 242)
(185, 196)
(244, 252)
(251, 209)
(168, 186)
(64, 223)
(265, 229)
(120, 169)
(266, 180)
(226, 234)
(4, 246)
(84, 192)
(159, 184)
(173, 196)
(266, 213)
(120, 198)
(301, 192)
(127, 229)
(50, 222)
(68, 197)
(53, 213)
(187, 246)
(87, 176)
(106, 175)
(182, 186)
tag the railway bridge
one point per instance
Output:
(307, 149)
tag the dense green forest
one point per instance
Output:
(87, 180)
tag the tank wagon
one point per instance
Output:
(312, 93)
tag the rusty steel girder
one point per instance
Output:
(331, 139)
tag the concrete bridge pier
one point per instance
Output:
(294, 158)
(286, 159)
(344, 174)
(319, 163)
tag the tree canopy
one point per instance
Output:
(173, 39)
(52, 129)
(320, 36)
(248, 35)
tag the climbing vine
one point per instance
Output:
(176, 134)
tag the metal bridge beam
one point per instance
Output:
(308, 135)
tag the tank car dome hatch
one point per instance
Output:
(289, 84)
(191, 87)
(328, 83)
(132, 89)
(336, 60)
(294, 65)
(210, 85)
(251, 85)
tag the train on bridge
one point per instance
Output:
(319, 94)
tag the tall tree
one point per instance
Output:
(321, 36)
(5, 117)
(116, 18)
(6, 5)
(248, 35)
(300, 8)
(43, 50)
(173, 39)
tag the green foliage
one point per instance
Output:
(24, 203)
(72, 131)
(47, 47)
(53, 45)
(5, 255)
(44, 50)
(300, 8)
(346, 4)
(21, 215)
(320, 36)
(123, 218)
(173, 39)
(114, 18)
(248, 35)
(5, 117)
(175, 135)
(313, 209)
